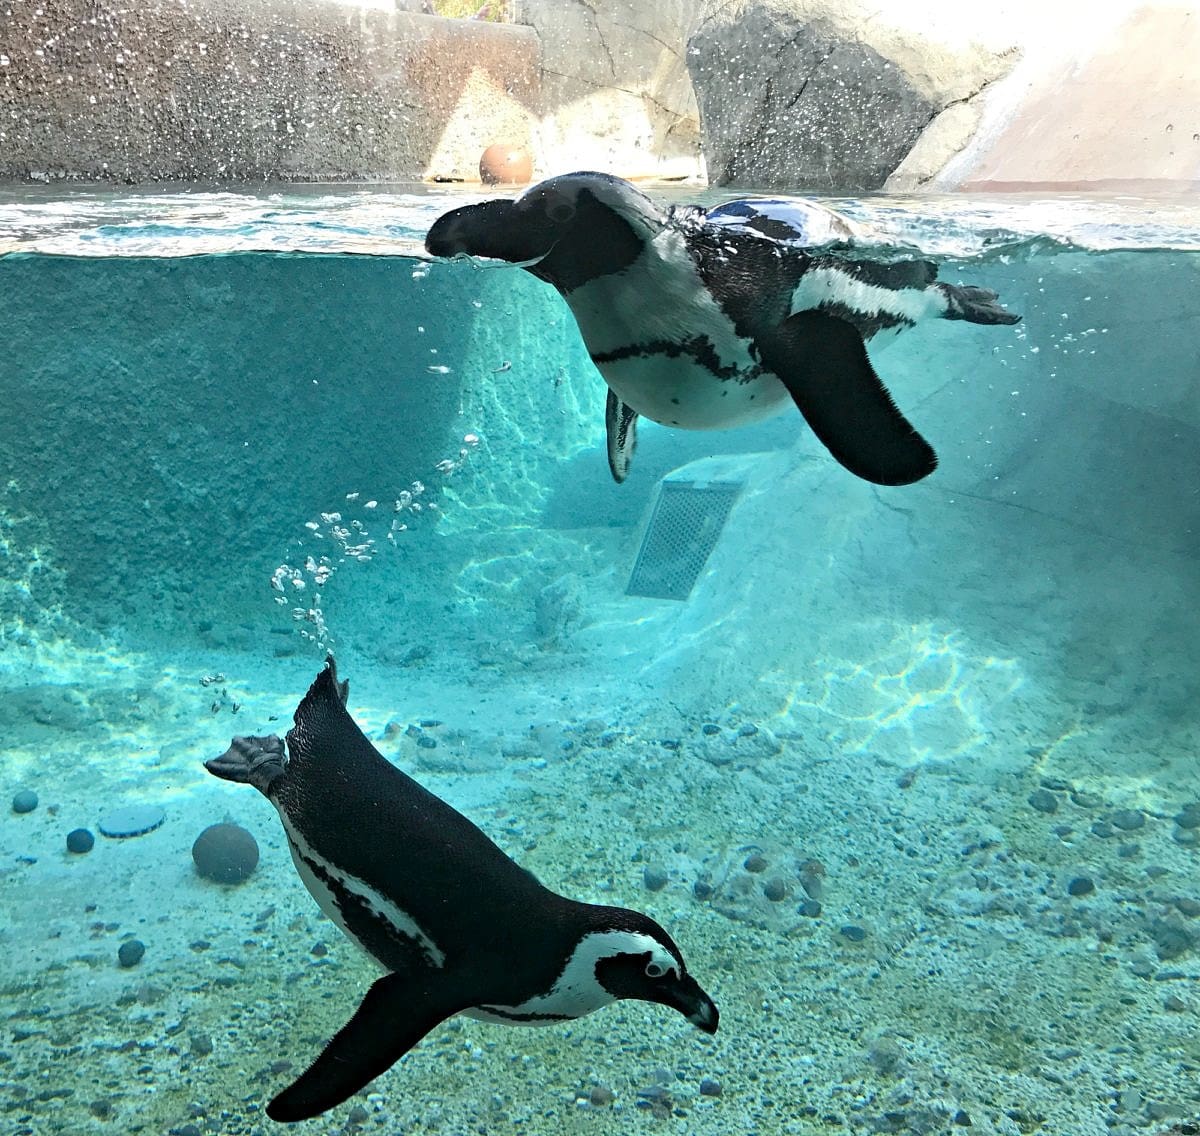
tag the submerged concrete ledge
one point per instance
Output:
(256, 90)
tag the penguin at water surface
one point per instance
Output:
(458, 926)
(706, 319)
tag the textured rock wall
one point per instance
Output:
(615, 90)
(825, 95)
(278, 89)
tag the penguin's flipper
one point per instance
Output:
(824, 365)
(620, 423)
(396, 1013)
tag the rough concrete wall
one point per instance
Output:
(278, 89)
(615, 89)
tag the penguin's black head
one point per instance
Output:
(567, 231)
(642, 961)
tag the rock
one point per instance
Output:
(1081, 886)
(25, 801)
(600, 1095)
(1043, 801)
(133, 820)
(614, 83)
(1128, 819)
(852, 932)
(775, 889)
(655, 877)
(1189, 816)
(810, 908)
(130, 952)
(225, 853)
(80, 840)
(830, 98)
(755, 862)
(709, 1087)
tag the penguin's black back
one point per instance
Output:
(363, 817)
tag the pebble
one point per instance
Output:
(852, 932)
(358, 1115)
(755, 862)
(426, 742)
(80, 840)
(1128, 819)
(1174, 1003)
(1080, 886)
(1189, 816)
(601, 1095)
(655, 877)
(1103, 829)
(1085, 800)
(225, 853)
(133, 820)
(810, 907)
(1043, 800)
(25, 801)
(1188, 907)
(1188, 837)
(710, 1088)
(710, 728)
(130, 952)
(775, 889)
(702, 889)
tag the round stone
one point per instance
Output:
(810, 908)
(655, 877)
(775, 889)
(1043, 800)
(80, 840)
(133, 820)
(710, 1088)
(710, 728)
(1189, 816)
(130, 952)
(225, 853)
(702, 889)
(25, 801)
(1080, 886)
(852, 932)
(1128, 819)
(756, 862)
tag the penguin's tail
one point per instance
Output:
(975, 305)
(252, 761)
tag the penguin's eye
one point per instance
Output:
(560, 211)
(655, 970)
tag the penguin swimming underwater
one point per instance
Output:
(458, 926)
(703, 320)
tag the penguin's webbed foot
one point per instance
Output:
(252, 761)
(975, 305)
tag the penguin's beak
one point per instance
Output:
(497, 230)
(699, 1009)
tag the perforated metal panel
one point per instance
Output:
(684, 528)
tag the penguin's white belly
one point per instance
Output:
(682, 393)
(665, 346)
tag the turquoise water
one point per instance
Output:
(205, 394)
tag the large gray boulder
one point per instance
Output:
(825, 95)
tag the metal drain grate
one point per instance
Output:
(684, 528)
